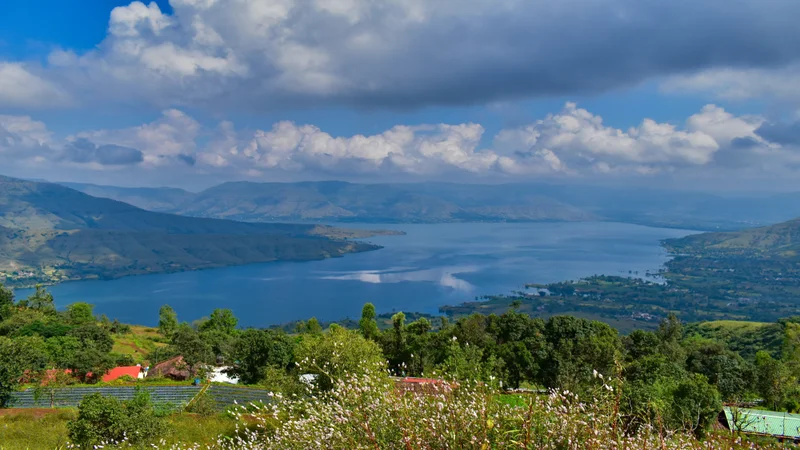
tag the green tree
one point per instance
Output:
(255, 351)
(577, 348)
(167, 321)
(695, 404)
(338, 353)
(221, 320)
(188, 343)
(771, 379)
(368, 325)
(6, 302)
(18, 357)
(310, 327)
(80, 313)
(40, 300)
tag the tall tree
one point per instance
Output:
(167, 321)
(6, 302)
(368, 325)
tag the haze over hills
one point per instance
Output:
(448, 202)
(51, 233)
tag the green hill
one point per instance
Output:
(780, 240)
(51, 233)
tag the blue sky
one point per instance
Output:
(195, 92)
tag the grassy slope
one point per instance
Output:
(782, 239)
(138, 343)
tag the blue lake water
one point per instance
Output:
(432, 265)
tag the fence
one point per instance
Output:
(179, 396)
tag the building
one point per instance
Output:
(116, 373)
(174, 368)
(779, 425)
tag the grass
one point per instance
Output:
(34, 428)
(138, 343)
(734, 325)
(46, 429)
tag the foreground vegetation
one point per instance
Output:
(664, 387)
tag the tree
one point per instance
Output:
(80, 313)
(221, 320)
(167, 321)
(695, 404)
(188, 343)
(310, 327)
(670, 330)
(255, 351)
(771, 379)
(338, 353)
(40, 300)
(577, 348)
(18, 357)
(6, 302)
(368, 325)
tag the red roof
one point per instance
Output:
(119, 372)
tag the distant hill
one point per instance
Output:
(152, 199)
(782, 239)
(51, 233)
(449, 202)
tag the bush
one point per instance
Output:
(203, 405)
(104, 420)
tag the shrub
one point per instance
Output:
(202, 405)
(103, 420)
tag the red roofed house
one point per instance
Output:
(119, 372)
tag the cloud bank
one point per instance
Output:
(570, 143)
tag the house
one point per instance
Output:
(116, 373)
(174, 368)
(779, 425)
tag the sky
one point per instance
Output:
(191, 93)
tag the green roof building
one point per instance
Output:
(765, 423)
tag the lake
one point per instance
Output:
(432, 265)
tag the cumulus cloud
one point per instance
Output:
(389, 53)
(570, 143)
(19, 88)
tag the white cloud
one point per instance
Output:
(576, 140)
(571, 143)
(19, 88)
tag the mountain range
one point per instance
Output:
(51, 233)
(336, 201)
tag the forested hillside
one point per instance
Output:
(50, 233)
